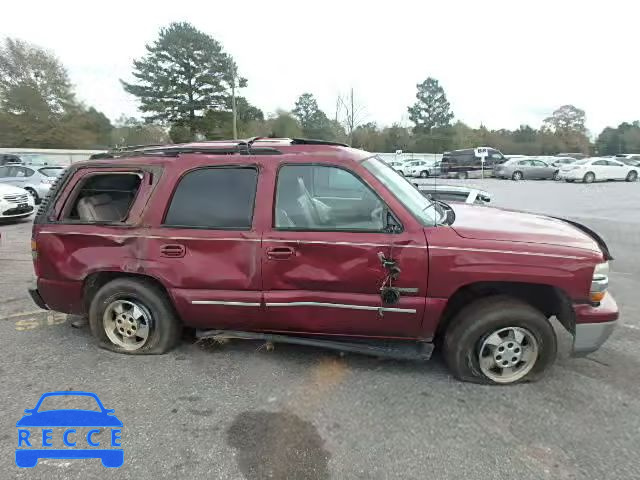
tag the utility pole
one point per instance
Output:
(233, 107)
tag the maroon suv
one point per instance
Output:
(313, 243)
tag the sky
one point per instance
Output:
(501, 63)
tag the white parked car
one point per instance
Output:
(397, 166)
(597, 169)
(15, 202)
(420, 168)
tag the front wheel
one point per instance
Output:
(516, 176)
(632, 176)
(134, 316)
(424, 174)
(499, 340)
(34, 194)
(462, 175)
(556, 176)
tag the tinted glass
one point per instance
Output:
(600, 162)
(539, 163)
(216, 198)
(611, 163)
(313, 197)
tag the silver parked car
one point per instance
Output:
(521, 168)
(35, 180)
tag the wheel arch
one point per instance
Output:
(548, 299)
(95, 281)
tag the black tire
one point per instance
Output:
(34, 194)
(589, 177)
(556, 175)
(478, 320)
(632, 176)
(462, 175)
(424, 174)
(569, 180)
(517, 176)
(165, 328)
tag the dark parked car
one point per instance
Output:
(467, 164)
(9, 159)
(313, 243)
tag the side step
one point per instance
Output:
(403, 350)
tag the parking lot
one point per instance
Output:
(239, 411)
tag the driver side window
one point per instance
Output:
(326, 198)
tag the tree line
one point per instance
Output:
(189, 88)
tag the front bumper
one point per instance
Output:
(37, 299)
(594, 325)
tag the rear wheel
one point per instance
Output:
(632, 176)
(517, 176)
(424, 174)
(499, 340)
(462, 175)
(589, 177)
(556, 175)
(134, 316)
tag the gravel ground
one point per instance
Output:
(238, 411)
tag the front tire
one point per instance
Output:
(462, 175)
(134, 316)
(556, 176)
(494, 330)
(632, 176)
(517, 176)
(34, 194)
(424, 174)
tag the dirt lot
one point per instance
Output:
(238, 411)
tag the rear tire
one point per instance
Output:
(474, 329)
(462, 175)
(556, 176)
(158, 316)
(589, 177)
(632, 176)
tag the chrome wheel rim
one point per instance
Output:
(508, 354)
(127, 324)
(517, 176)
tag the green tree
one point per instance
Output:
(218, 124)
(131, 131)
(184, 73)
(432, 110)
(283, 124)
(566, 119)
(314, 122)
(37, 105)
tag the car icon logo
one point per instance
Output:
(78, 432)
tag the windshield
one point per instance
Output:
(421, 207)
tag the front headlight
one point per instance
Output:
(599, 282)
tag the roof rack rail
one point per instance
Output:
(311, 141)
(175, 150)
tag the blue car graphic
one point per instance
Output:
(69, 418)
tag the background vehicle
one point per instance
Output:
(574, 155)
(397, 166)
(455, 193)
(37, 181)
(529, 168)
(302, 258)
(419, 168)
(598, 169)
(631, 161)
(559, 161)
(466, 164)
(9, 159)
(15, 202)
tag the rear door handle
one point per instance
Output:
(280, 253)
(173, 250)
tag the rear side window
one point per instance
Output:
(104, 198)
(214, 198)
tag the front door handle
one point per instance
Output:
(173, 250)
(280, 253)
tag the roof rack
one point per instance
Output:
(311, 141)
(174, 150)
